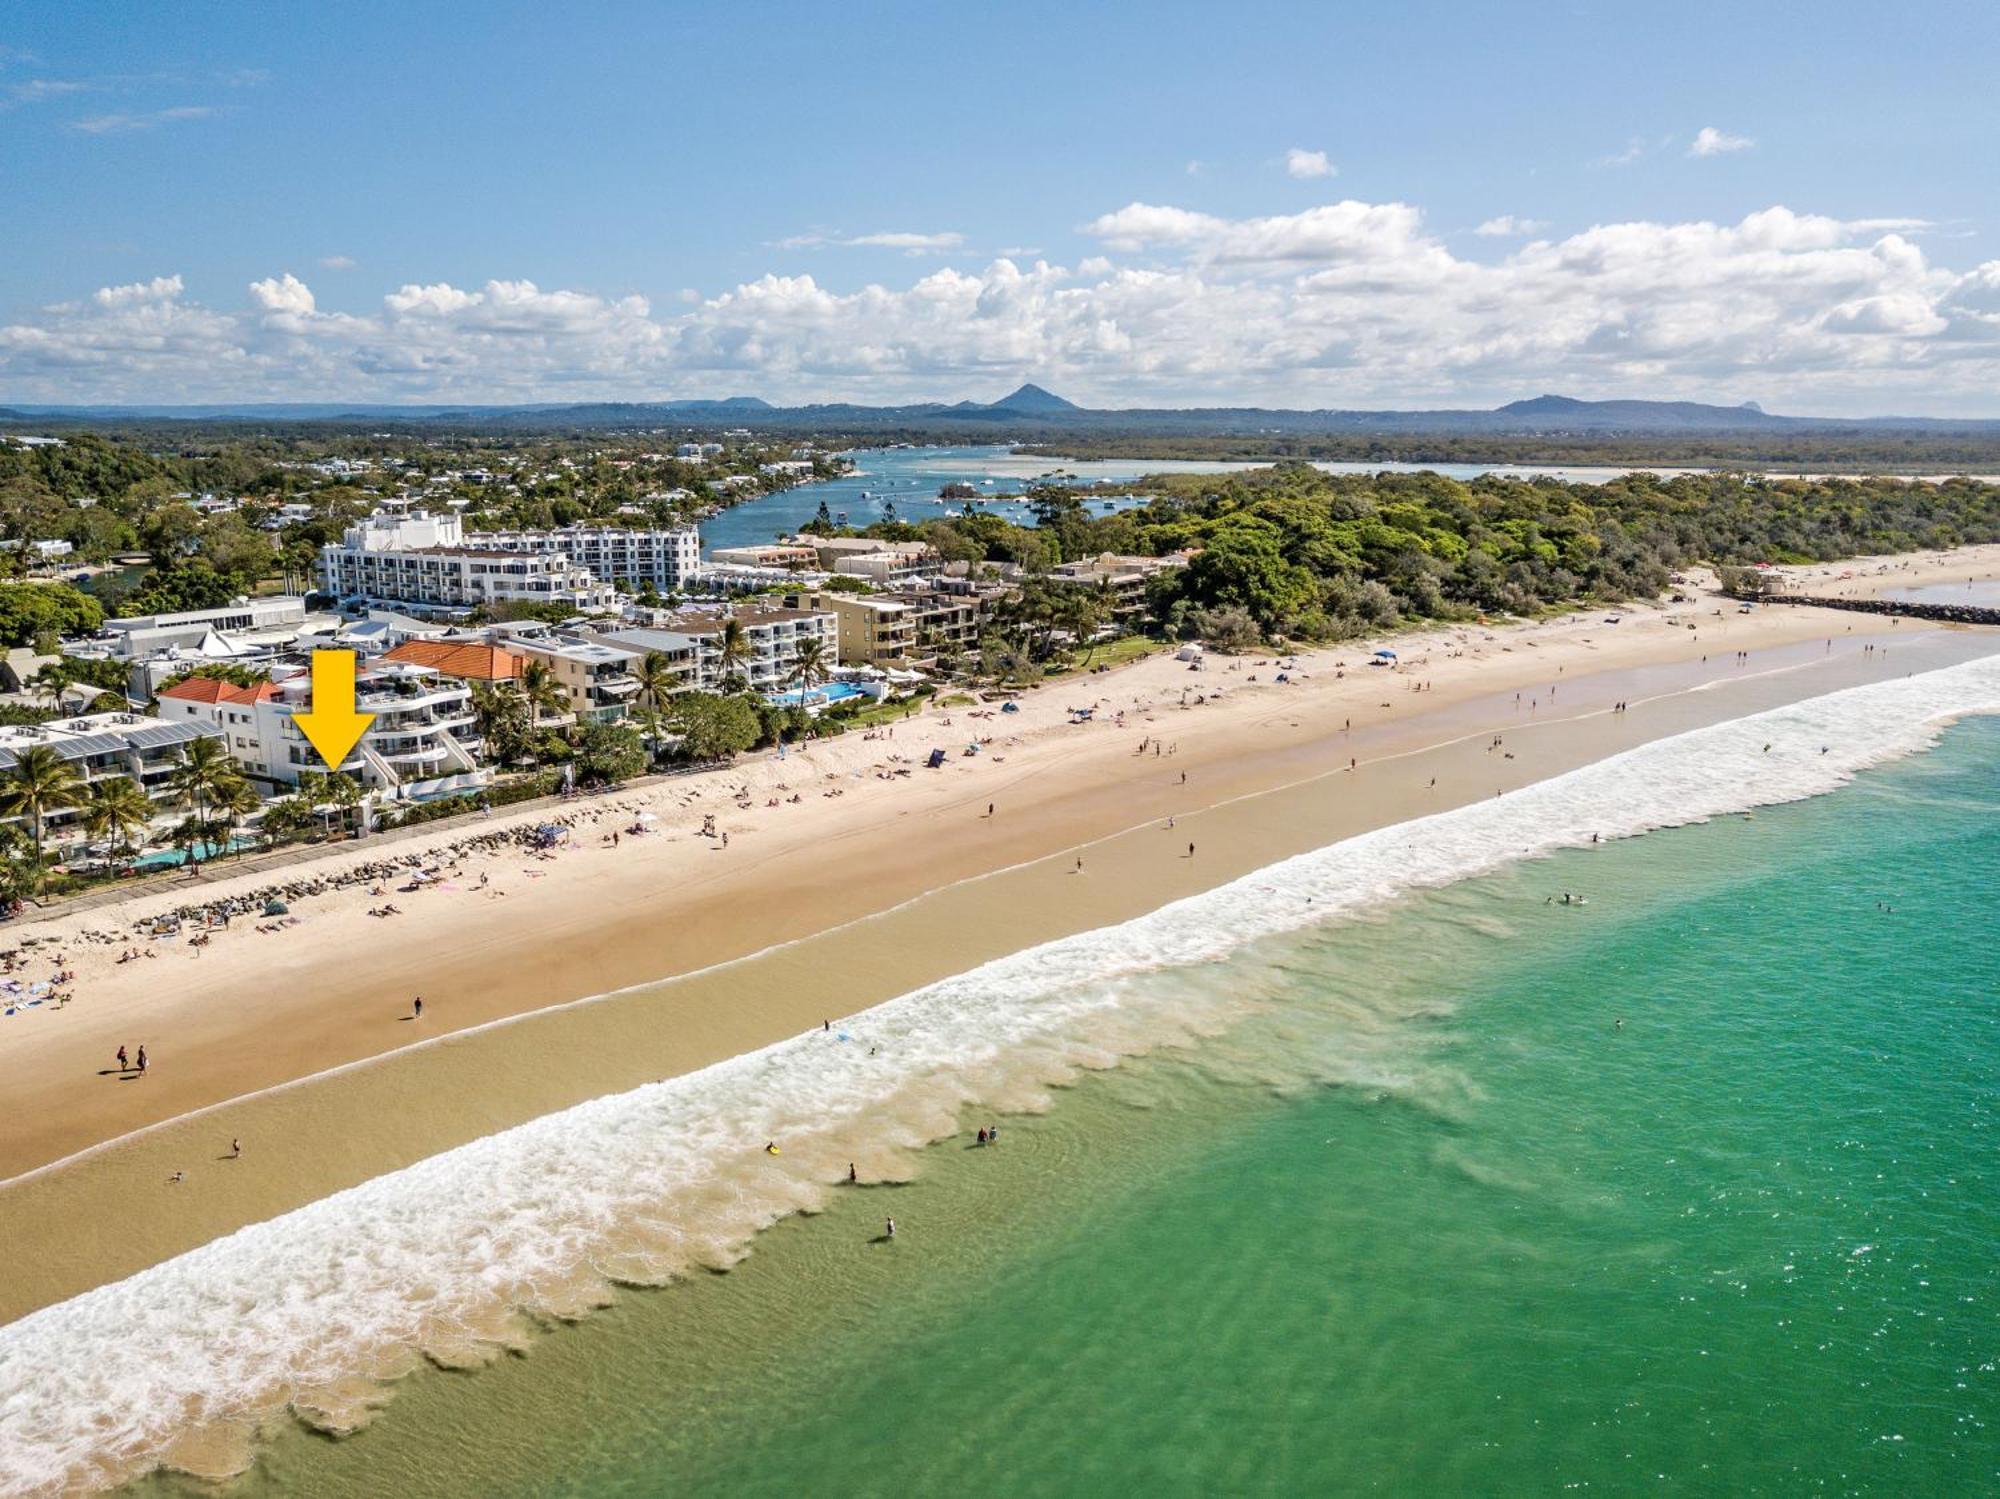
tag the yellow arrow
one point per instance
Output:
(332, 725)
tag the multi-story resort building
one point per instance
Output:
(424, 742)
(666, 558)
(873, 631)
(771, 639)
(597, 677)
(99, 746)
(421, 563)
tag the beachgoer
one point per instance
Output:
(1190, 850)
(889, 1229)
(123, 1065)
(982, 1137)
(142, 1059)
(235, 1149)
(1079, 866)
(417, 1008)
(851, 1177)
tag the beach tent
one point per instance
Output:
(1384, 657)
(276, 908)
(936, 759)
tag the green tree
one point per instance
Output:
(42, 613)
(609, 752)
(711, 726)
(118, 808)
(41, 782)
(733, 653)
(809, 665)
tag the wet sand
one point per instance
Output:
(865, 896)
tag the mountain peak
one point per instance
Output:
(1032, 398)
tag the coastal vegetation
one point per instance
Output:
(1308, 555)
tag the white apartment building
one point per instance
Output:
(771, 639)
(667, 558)
(422, 562)
(423, 743)
(99, 746)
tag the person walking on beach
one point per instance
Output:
(123, 1065)
(142, 1059)
(417, 1008)
(852, 1179)
(889, 1229)
(1079, 866)
(1190, 850)
(235, 1150)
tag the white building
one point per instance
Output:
(424, 742)
(422, 562)
(667, 558)
(100, 746)
(771, 639)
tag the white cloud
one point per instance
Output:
(159, 289)
(1305, 164)
(1194, 169)
(121, 124)
(40, 90)
(1343, 304)
(1509, 226)
(284, 294)
(1709, 141)
(908, 243)
(337, 262)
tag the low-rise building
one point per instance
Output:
(777, 554)
(597, 677)
(100, 746)
(424, 741)
(771, 644)
(872, 630)
(1123, 578)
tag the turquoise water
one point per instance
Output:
(909, 479)
(1691, 1189)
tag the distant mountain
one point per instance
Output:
(1592, 416)
(1032, 413)
(1032, 400)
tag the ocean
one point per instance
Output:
(1382, 1169)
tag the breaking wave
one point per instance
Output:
(455, 1258)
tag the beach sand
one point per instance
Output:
(300, 1043)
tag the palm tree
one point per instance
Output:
(236, 801)
(809, 666)
(203, 776)
(732, 652)
(544, 690)
(50, 681)
(42, 782)
(657, 677)
(119, 808)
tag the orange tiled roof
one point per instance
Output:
(211, 690)
(478, 663)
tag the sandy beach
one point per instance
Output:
(851, 873)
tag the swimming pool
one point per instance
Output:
(818, 697)
(164, 856)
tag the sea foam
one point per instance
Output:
(178, 1363)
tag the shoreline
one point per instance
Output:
(465, 1255)
(819, 942)
(605, 1151)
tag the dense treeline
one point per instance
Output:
(1298, 552)
(1863, 450)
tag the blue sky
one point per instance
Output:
(800, 201)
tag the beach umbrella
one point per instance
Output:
(1385, 655)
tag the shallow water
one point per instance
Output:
(1424, 1217)
(908, 480)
